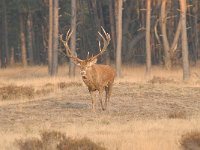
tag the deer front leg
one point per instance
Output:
(107, 95)
(93, 100)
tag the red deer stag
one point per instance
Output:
(96, 76)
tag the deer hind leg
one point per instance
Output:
(93, 100)
(108, 90)
(100, 98)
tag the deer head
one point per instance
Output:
(96, 77)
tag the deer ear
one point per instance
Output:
(92, 62)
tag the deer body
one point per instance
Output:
(97, 77)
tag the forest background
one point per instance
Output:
(150, 32)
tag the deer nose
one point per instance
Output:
(83, 73)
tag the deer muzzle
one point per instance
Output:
(83, 73)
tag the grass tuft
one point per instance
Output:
(13, 92)
(161, 80)
(30, 144)
(190, 141)
(53, 140)
(177, 115)
(79, 144)
(63, 85)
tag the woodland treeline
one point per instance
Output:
(150, 32)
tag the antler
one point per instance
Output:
(65, 43)
(106, 41)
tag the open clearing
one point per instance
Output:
(144, 113)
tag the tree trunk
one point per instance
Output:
(186, 71)
(101, 18)
(112, 25)
(100, 12)
(30, 37)
(73, 37)
(50, 48)
(148, 38)
(119, 36)
(127, 22)
(6, 59)
(175, 41)
(12, 56)
(0, 57)
(23, 41)
(195, 11)
(95, 15)
(55, 39)
(167, 59)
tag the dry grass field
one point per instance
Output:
(145, 113)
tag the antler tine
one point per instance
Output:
(65, 43)
(99, 45)
(88, 54)
(106, 40)
(61, 38)
(107, 34)
(68, 35)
